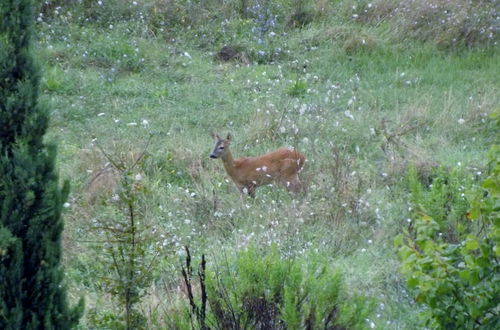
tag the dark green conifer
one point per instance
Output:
(31, 292)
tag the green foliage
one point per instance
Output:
(446, 23)
(104, 320)
(302, 14)
(118, 53)
(31, 292)
(126, 246)
(443, 203)
(171, 172)
(298, 88)
(451, 256)
(269, 291)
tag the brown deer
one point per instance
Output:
(282, 165)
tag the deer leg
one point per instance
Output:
(251, 190)
(293, 185)
(248, 190)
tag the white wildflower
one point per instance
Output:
(348, 114)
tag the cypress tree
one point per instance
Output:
(31, 292)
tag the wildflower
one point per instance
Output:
(348, 114)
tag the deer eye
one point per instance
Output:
(221, 148)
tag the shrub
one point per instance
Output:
(271, 292)
(443, 201)
(451, 256)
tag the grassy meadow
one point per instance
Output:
(361, 95)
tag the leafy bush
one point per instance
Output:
(451, 256)
(298, 88)
(443, 201)
(271, 292)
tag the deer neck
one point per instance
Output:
(228, 162)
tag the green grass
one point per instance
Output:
(320, 96)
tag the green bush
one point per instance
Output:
(443, 203)
(272, 292)
(451, 254)
(298, 88)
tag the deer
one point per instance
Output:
(282, 166)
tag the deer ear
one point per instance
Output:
(229, 137)
(215, 136)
